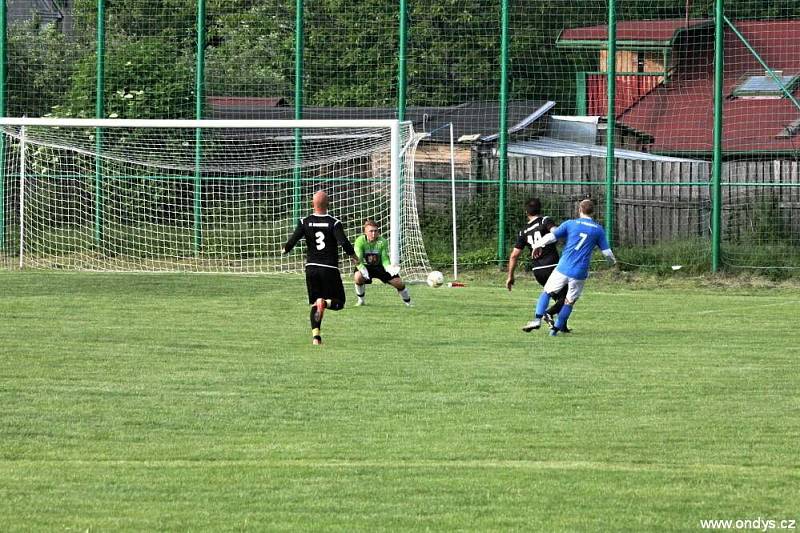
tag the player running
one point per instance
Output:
(544, 260)
(582, 235)
(372, 251)
(324, 234)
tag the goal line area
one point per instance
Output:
(200, 195)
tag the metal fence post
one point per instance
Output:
(611, 71)
(198, 134)
(2, 114)
(502, 147)
(298, 108)
(716, 162)
(99, 111)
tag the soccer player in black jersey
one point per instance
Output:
(544, 259)
(324, 234)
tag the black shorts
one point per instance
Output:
(324, 282)
(378, 272)
(542, 273)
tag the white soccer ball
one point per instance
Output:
(435, 279)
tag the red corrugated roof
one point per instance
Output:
(679, 115)
(632, 30)
(247, 101)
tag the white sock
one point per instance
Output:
(360, 291)
(404, 295)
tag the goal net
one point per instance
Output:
(202, 196)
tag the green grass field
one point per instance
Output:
(196, 402)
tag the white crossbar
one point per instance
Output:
(203, 124)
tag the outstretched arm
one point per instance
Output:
(605, 249)
(385, 260)
(296, 235)
(341, 238)
(358, 258)
(393, 270)
(512, 264)
(544, 241)
(359, 251)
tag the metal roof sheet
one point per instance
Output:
(546, 147)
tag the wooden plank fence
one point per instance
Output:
(654, 200)
(768, 198)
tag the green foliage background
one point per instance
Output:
(350, 58)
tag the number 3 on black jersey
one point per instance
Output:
(320, 240)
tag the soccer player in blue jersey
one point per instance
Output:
(544, 259)
(582, 234)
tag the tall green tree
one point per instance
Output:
(454, 52)
(149, 60)
(250, 49)
(351, 52)
(145, 78)
(40, 62)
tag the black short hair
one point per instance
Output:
(533, 206)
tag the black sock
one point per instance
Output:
(555, 308)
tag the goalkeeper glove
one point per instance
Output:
(393, 270)
(364, 272)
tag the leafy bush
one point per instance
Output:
(39, 61)
(144, 79)
(477, 225)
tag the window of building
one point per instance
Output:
(766, 85)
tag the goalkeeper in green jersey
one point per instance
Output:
(372, 252)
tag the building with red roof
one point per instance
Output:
(665, 84)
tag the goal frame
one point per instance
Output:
(393, 125)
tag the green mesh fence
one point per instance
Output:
(250, 56)
(662, 195)
(761, 179)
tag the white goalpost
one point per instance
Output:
(452, 169)
(453, 202)
(204, 195)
